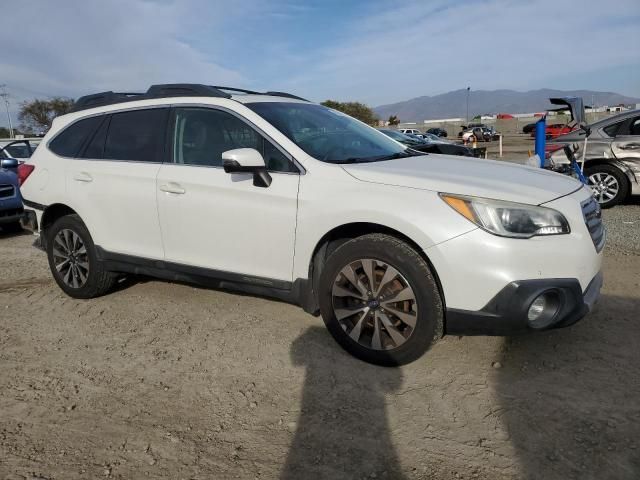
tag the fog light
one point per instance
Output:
(537, 308)
(543, 310)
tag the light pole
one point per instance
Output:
(468, 90)
(5, 97)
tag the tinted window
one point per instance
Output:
(95, 148)
(635, 127)
(137, 135)
(201, 136)
(612, 130)
(68, 143)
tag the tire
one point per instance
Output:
(338, 296)
(609, 184)
(13, 227)
(84, 276)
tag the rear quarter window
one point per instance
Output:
(68, 142)
(612, 130)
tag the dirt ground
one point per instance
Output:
(162, 380)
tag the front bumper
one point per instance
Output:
(506, 313)
(11, 215)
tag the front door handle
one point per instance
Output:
(172, 187)
(83, 177)
(630, 146)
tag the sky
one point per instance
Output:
(373, 51)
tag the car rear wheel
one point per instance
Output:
(379, 300)
(73, 260)
(609, 184)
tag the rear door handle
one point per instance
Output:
(83, 177)
(172, 188)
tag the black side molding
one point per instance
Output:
(296, 292)
(34, 205)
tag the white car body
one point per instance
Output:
(203, 217)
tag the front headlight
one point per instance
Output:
(508, 219)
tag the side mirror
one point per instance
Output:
(9, 163)
(247, 160)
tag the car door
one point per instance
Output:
(112, 181)
(626, 144)
(221, 221)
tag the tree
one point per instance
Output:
(393, 121)
(37, 115)
(4, 132)
(354, 109)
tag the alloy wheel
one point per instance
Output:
(70, 258)
(374, 304)
(604, 185)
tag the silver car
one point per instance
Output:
(612, 162)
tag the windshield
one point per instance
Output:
(402, 137)
(329, 135)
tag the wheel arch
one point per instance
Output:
(624, 169)
(52, 213)
(593, 162)
(340, 234)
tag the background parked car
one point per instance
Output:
(612, 161)
(439, 132)
(11, 210)
(426, 146)
(528, 128)
(554, 130)
(412, 131)
(18, 149)
(481, 134)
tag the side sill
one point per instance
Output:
(296, 293)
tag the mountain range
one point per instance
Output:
(454, 104)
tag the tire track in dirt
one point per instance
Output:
(24, 284)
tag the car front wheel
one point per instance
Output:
(380, 301)
(609, 184)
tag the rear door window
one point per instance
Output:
(136, 135)
(71, 139)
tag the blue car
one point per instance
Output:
(11, 209)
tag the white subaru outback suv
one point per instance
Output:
(270, 194)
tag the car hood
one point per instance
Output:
(468, 176)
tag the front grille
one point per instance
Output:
(593, 219)
(7, 191)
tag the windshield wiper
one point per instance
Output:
(393, 156)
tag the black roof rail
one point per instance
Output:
(165, 91)
(103, 98)
(241, 90)
(283, 94)
(184, 90)
(252, 92)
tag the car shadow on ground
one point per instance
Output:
(571, 398)
(341, 433)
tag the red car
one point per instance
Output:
(554, 130)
